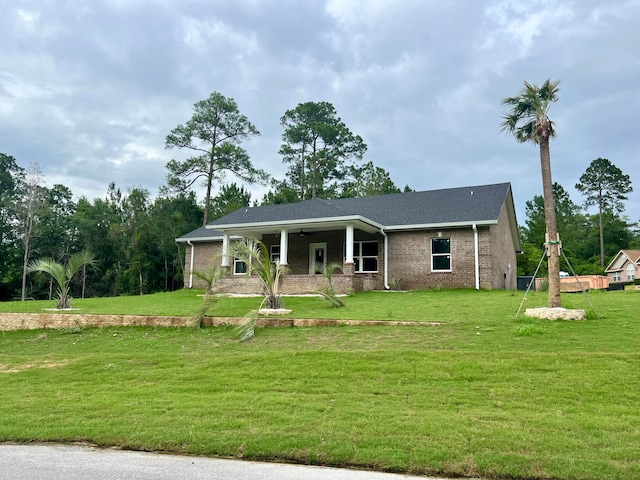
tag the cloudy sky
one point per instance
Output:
(90, 89)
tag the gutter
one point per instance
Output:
(193, 251)
(386, 258)
(476, 255)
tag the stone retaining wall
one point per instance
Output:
(32, 321)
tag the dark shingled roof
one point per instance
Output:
(448, 206)
(200, 234)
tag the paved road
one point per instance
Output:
(62, 462)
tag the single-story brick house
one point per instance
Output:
(457, 237)
(624, 267)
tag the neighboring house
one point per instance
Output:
(625, 266)
(457, 237)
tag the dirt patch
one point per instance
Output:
(27, 366)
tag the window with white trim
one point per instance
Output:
(617, 276)
(239, 267)
(365, 256)
(274, 253)
(631, 272)
(440, 255)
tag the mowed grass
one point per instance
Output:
(486, 394)
(430, 305)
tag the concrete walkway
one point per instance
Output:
(69, 462)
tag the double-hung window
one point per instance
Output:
(440, 255)
(365, 256)
(617, 276)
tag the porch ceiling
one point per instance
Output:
(295, 226)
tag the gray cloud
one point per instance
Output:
(89, 91)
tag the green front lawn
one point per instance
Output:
(486, 394)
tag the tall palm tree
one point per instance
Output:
(63, 274)
(527, 121)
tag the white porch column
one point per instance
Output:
(349, 245)
(284, 247)
(225, 249)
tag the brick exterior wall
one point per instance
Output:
(409, 259)
(504, 262)
(205, 253)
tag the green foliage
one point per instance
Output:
(328, 293)
(230, 199)
(369, 180)
(247, 329)
(606, 186)
(213, 134)
(11, 175)
(527, 120)
(532, 329)
(255, 255)
(280, 193)
(318, 145)
(63, 274)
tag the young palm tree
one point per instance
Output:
(255, 255)
(63, 274)
(328, 293)
(527, 121)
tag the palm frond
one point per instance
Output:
(210, 276)
(246, 331)
(49, 266)
(528, 119)
(328, 293)
(208, 302)
(77, 261)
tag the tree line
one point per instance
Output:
(131, 234)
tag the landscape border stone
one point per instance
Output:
(33, 321)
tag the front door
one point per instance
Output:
(317, 258)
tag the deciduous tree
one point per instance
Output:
(11, 176)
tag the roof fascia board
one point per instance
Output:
(614, 266)
(206, 239)
(297, 222)
(424, 226)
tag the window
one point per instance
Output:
(617, 277)
(631, 272)
(275, 253)
(239, 267)
(365, 256)
(440, 255)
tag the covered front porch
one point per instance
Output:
(306, 249)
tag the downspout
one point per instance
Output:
(193, 251)
(476, 255)
(386, 258)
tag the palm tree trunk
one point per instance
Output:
(601, 230)
(553, 249)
